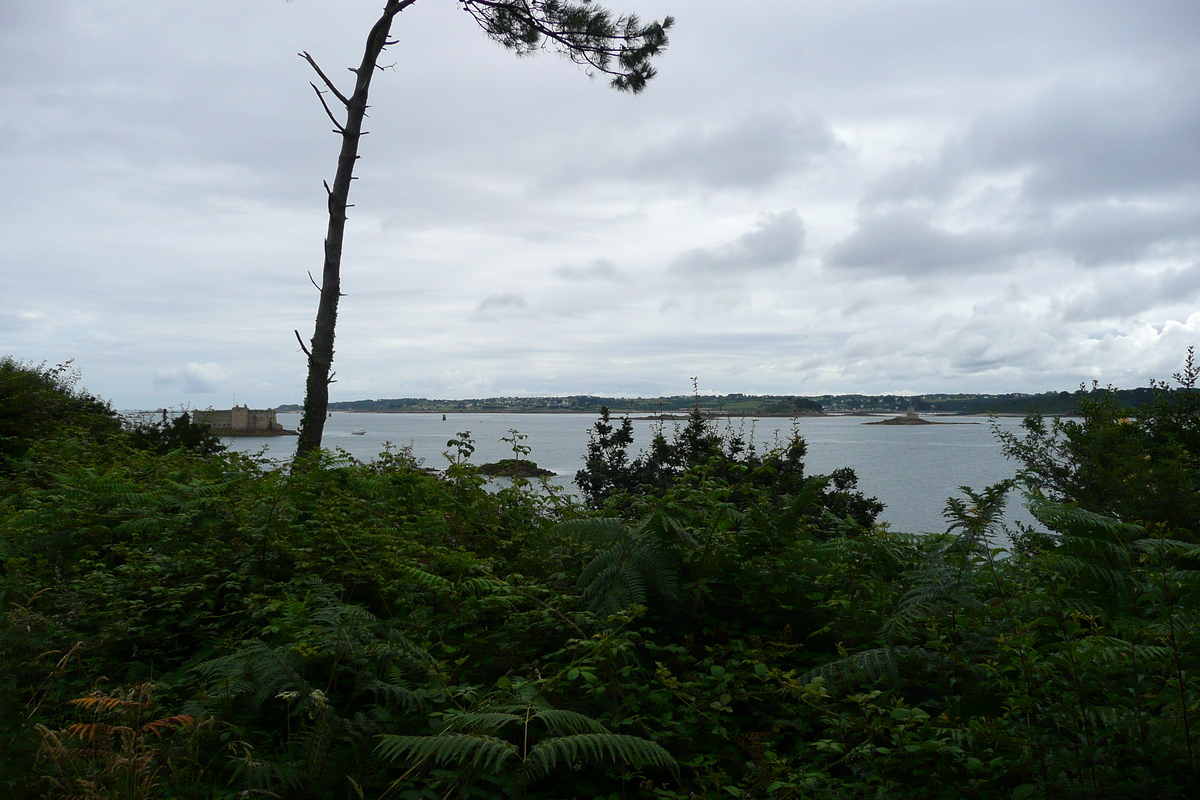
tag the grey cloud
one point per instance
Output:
(601, 269)
(1125, 295)
(1101, 174)
(505, 300)
(905, 242)
(931, 180)
(1076, 141)
(987, 345)
(1085, 142)
(19, 322)
(750, 152)
(753, 152)
(1110, 233)
(775, 242)
(194, 378)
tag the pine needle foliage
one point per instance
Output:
(584, 32)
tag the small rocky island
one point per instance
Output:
(910, 418)
(514, 468)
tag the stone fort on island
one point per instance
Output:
(242, 421)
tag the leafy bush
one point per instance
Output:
(37, 401)
(1137, 465)
(612, 479)
(173, 434)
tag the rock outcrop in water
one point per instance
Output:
(910, 418)
(512, 468)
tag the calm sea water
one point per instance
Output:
(912, 469)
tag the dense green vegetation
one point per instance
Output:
(183, 622)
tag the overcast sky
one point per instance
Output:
(812, 197)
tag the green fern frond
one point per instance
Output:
(596, 529)
(424, 579)
(260, 775)
(618, 584)
(481, 721)
(140, 525)
(1098, 571)
(1164, 547)
(334, 613)
(1119, 652)
(1180, 620)
(1188, 579)
(527, 696)
(884, 553)
(658, 567)
(478, 587)
(665, 527)
(618, 576)
(605, 561)
(256, 670)
(109, 491)
(594, 748)
(936, 587)
(392, 691)
(481, 752)
(871, 665)
(559, 721)
(1074, 521)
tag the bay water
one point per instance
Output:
(912, 469)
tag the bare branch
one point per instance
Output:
(301, 341)
(324, 105)
(314, 283)
(325, 78)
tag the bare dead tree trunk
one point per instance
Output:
(581, 30)
(320, 354)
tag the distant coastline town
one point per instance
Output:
(744, 405)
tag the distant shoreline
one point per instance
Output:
(680, 417)
(735, 405)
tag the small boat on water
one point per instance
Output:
(359, 432)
